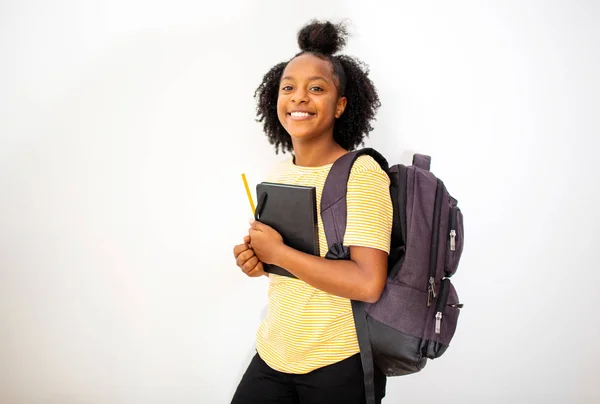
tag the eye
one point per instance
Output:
(286, 88)
(316, 89)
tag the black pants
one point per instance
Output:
(341, 382)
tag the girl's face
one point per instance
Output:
(308, 101)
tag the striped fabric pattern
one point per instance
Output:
(306, 328)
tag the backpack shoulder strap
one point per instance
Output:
(334, 215)
(333, 199)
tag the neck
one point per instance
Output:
(317, 152)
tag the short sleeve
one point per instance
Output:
(370, 211)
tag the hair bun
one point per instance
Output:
(322, 37)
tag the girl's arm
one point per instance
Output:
(360, 278)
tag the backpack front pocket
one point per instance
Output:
(443, 322)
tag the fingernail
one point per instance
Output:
(251, 220)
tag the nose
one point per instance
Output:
(300, 96)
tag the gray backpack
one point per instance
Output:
(416, 316)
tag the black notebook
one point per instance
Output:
(292, 211)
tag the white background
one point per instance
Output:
(125, 126)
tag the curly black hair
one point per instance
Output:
(324, 39)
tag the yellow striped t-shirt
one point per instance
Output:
(306, 328)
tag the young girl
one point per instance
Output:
(317, 106)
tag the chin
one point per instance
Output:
(301, 136)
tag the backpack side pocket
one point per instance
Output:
(454, 242)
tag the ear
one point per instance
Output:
(341, 106)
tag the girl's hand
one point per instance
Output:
(265, 241)
(246, 259)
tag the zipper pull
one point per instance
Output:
(452, 240)
(438, 322)
(431, 291)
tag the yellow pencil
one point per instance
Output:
(249, 194)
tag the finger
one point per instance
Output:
(238, 249)
(255, 274)
(260, 267)
(250, 265)
(257, 271)
(247, 240)
(244, 257)
(256, 225)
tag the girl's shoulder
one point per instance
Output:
(366, 165)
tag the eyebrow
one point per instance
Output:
(310, 78)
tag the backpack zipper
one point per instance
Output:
(441, 303)
(438, 322)
(435, 240)
(431, 291)
(453, 229)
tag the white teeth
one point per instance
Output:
(300, 114)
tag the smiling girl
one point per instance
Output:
(317, 106)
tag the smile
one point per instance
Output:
(300, 115)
